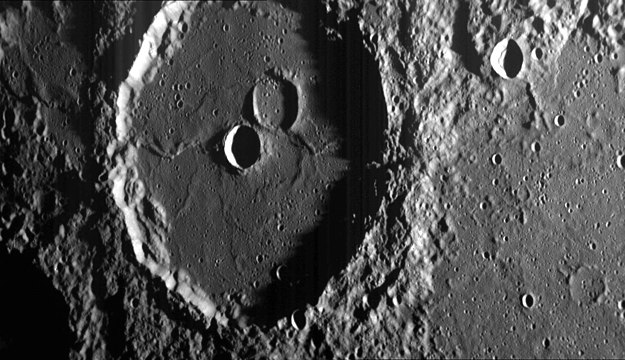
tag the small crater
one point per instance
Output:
(527, 300)
(298, 319)
(546, 343)
(282, 273)
(242, 147)
(535, 147)
(598, 58)
(507, 59)
(496, 159)
(275, 103)
(559, 120)
(620, 161)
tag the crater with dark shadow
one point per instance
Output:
(242, 147)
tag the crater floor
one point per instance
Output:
(312, 179)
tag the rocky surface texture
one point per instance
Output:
(312, 179)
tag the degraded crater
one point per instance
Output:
(587, 285)
(261, 215)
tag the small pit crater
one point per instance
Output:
(620, 161)
(298, 319)
(535, 147)
(496, 159)
(586, 286)
(527, 300)
(559, 120)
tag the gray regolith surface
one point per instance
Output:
(432, 179)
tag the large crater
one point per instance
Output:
(255, 139)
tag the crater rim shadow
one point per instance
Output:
(354, 101)
(291, 107)
(215, 150)
(247, 110)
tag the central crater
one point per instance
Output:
(242, 147)
(255, 140)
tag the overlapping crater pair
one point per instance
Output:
(274, 102)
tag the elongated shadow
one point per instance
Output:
(353, 98)
(290, 105)
(247, 110)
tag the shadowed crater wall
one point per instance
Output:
(353, 98)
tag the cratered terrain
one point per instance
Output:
(289, 179)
